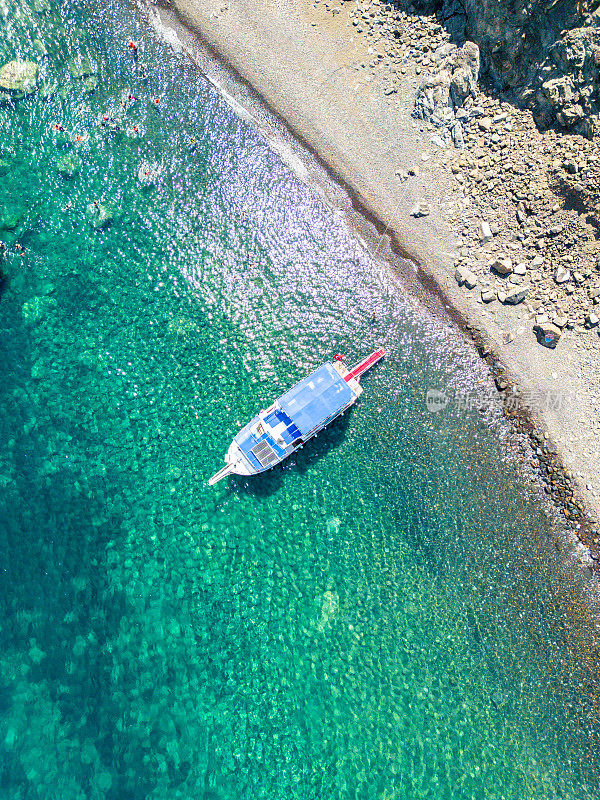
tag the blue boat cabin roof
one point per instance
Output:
(316, 398)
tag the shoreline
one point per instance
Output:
(430, 242)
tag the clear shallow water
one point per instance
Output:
(380, 618)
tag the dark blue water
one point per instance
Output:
(385, 616)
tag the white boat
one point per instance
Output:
(295, 417)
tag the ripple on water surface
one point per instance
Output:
(381, 617)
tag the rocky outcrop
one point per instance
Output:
(546, 53)
(19, 77)
(445, 96)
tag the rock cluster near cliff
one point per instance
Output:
(545, 53)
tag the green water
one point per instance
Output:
(382, 617)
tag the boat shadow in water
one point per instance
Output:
(267, 483)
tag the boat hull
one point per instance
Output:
(295, 418)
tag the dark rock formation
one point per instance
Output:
(442, 94)
(546, 53)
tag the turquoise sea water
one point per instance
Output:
(385, 616)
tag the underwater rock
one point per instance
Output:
(103, 780)
(90, 84)
(35, 654)
(37, 308)
(98, 215)
(498, 699)
(329, 609)
(40, 47)
(69, 165)
(4, 166)
(149, 174)
(5, 98)
(82, 68)
(10, 219)
(183, 326)
(19, 77)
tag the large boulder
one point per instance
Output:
(19, 77)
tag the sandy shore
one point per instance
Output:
(317, 71)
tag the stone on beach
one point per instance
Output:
(513, 296)
(562, 275)
(442, 94)
(486, 234)
(591, 320)
(420, 210)
(503, 266)
(19, 77)
(560, 320)
(466, 277)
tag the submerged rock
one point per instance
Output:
(81, 68)
(69, 165)
(10, 218)
(99, 215)
(40, 47)
(330, 607)
(37, 308)
(90, 84)
(149, 174)
(19, 77)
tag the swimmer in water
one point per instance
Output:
(133, 47)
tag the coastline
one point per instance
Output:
(302, 63)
